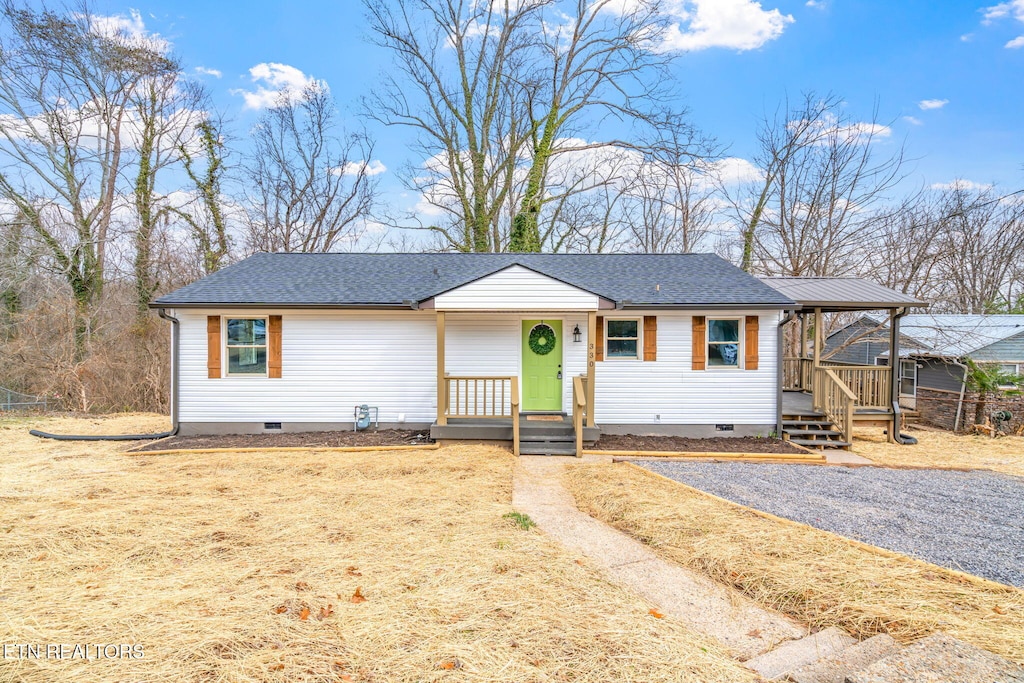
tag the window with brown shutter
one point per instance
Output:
(650, 337)
(699, 341)
(213, 346)
(599, 339)
(750, 352)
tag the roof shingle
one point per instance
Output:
(386, 280)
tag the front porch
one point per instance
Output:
(491, 407)
(823, 401)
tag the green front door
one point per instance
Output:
(542, 365)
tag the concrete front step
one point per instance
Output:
(788, 657)
(821, 443)
(810, 432)
(547, 448)
(940, 658)
(836, 668)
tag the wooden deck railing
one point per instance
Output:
(869, 383)
(796, 373)
(835, 400)
(579, 410)
(483, 396)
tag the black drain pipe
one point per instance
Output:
(175, 341)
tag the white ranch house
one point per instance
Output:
(466, 344)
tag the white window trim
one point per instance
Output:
(226, 363)
(740, 344)
(639, 320)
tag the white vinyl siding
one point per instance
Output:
(332, 361)
(335, 360)
(634, 392)
(516, 289)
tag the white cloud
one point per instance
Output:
(925, 105)
(274, 81)
(829, 127)
(131, 30)
(375, 167)
(736, 171)
(816, 4)
(1013, 8)
(702, 24)
(203, 71)
(913, 120)
(961, 184)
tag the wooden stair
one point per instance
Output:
(812, 430)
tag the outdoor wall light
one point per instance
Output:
(577, 336)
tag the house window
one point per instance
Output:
(724, 342)
(247, 346)
(622, 338)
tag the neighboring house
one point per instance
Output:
(933, 349)
(673, 344)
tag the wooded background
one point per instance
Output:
(118, 180)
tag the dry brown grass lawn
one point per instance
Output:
(210, 563)
(812, 575)
(936, 448)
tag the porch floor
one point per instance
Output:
(500, 429)
(801, 403)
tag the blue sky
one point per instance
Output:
(945, 75)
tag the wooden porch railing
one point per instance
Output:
(579, 410)
(483, 396)
(796, 373)
(835, 400)
(869, 383)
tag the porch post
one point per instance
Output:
(591, 362)
(803, 336)
(817, 337)
(442, 389)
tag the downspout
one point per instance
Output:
(894, 376)
(175, 367)
(175, 336)
(780, 349)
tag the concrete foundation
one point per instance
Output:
(215, 428)
(696, 431)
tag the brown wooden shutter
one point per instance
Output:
(750, 359)
(274, 347)
(213, 346)
(599, 339)
(650, 337)
(700, 350)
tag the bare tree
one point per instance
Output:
(980, 249)
(165, 112)
(205, 216)
(463, 62)
(64, 96)
(822, 189)
(501, 90)
(311, 189)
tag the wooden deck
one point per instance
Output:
(801, 403)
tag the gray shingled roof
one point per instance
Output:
(840, 293)
(382, 280)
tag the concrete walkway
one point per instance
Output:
(703, 605)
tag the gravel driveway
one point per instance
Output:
(971, 521)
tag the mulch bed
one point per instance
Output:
(720, 444)
(384, 437)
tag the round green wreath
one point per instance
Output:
(542, 339)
